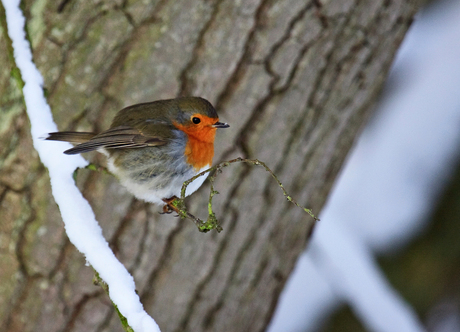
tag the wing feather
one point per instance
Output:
(122, 137)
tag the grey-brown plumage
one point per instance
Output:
(154, 147)
(140, 125)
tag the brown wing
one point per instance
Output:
(119, 137)
(70, 136)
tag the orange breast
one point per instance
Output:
(199, 150)
(199, 154)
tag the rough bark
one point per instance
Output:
(295, 79)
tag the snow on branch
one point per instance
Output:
(80, 223)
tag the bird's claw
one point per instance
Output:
(168, 208)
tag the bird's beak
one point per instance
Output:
(220, 125)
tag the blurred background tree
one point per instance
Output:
(399, 189)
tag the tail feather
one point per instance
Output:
(70, 136)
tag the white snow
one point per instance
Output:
(80, 223)
(387, 188)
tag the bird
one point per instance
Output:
(153, 147)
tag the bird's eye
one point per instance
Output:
(196, 120)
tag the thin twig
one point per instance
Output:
(178, 204)
(92, 167)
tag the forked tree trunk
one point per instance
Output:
(295, 79)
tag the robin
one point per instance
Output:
(152, 148)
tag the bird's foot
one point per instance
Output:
(169, 208)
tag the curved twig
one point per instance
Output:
(178, 204)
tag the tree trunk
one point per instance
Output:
(295, 79)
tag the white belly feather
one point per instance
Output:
(151, 192)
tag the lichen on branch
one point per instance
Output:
(178, 204)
